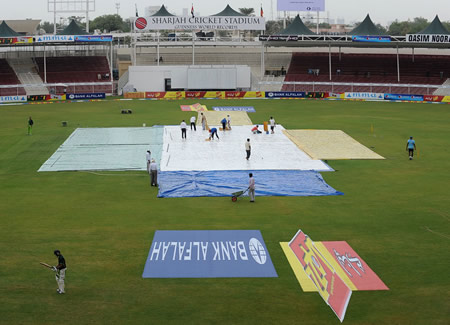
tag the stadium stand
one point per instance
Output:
(366, 68)
(8, 77)
(76, 69)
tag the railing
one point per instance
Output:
(353, 86)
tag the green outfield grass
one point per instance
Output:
(395, 214)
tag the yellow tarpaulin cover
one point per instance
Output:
(330, 144)
(214, 118)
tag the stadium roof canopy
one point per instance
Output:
(24, 26)
(6, 31)
(366, 28)
(435, 27)
(72, 29)
(162, 12)
(297, 27)
(228, 11)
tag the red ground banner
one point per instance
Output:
(195, 94)
(432, 98)
(359, 273)
(330, 286)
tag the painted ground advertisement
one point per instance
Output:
(333, 269)
(208, 254)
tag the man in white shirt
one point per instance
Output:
(148, 158)
(248, 148)
(193, 123)
(251, 188)
(183, 127)
(203, 121)
(229, 122)
(272, 124)
(153, 173)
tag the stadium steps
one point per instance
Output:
(27, 74)
(443, 91)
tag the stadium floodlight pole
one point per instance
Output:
(329, 57)
(87, 16)
(317, 26)
(398, 66)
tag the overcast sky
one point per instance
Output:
(381, 11)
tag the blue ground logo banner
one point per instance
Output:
(86, 96)
(248, 109)
(208, 254)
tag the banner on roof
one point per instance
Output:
(403, 97)
(285, 94)
(428, 38)
(371, 39)
(199, 23)
(53, 38)
(301, 5)
(16, 40)
(93, 38)
(363, 95)
(208, 254)
(13, 99)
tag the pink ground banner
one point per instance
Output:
(331, 287)
(359, 273)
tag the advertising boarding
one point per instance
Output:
(428, 38)
(364, 95)
(13, 99)
(301, 5)
(208, 254)
(86, 96)
(199, 23)
(285, 94)
(406, 97)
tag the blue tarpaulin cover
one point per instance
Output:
(223, 183)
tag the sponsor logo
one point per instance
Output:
(10, 99)
(285, 94)
(373, 96)
(216, 253)
(257, 250)
(86, 96)
(141, 23)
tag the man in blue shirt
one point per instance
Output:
(213, 132)
(410, 147)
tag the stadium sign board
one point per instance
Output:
(86, 96)
(285, 94)
(371, 39)
(428, 38)
(93, 38)
(54, 38)
(301, 5)
(208, 254)
(13, 99)
(199, 23)
(368, 96)
(406, 97)
(248, 109)
(283, 38)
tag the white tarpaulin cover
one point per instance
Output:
(268, 151)
(106, 149)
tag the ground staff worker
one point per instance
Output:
(153, 173)
(60, 270)
(30, 125)
(251, 188)
(183, 127)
